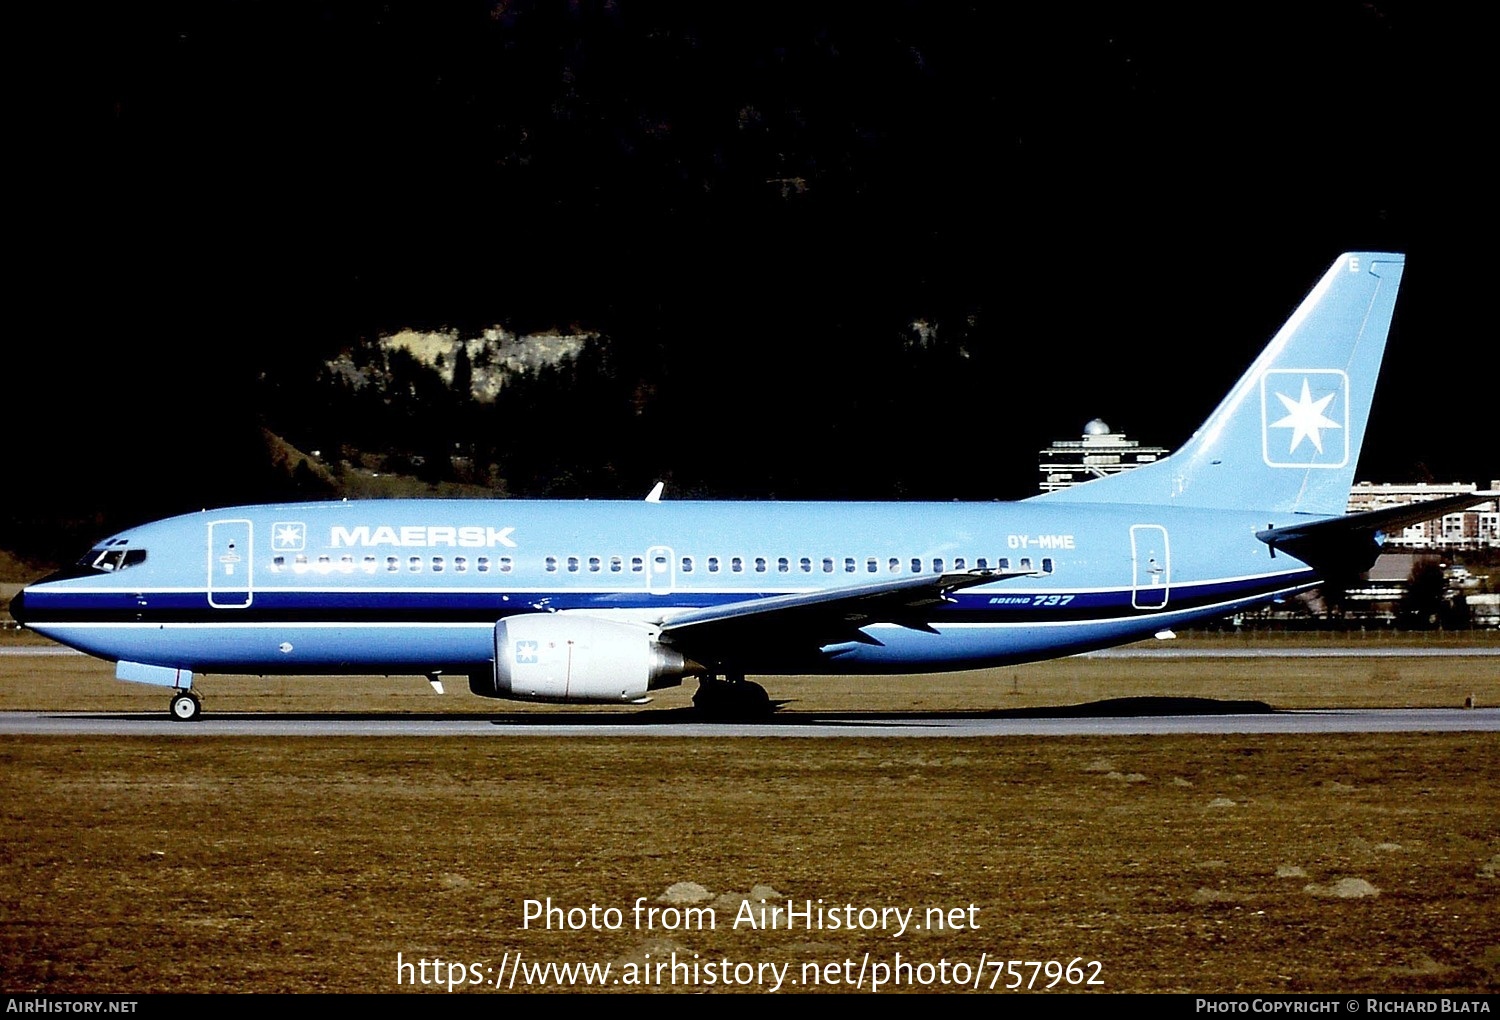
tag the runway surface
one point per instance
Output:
(792, 724)
(1111, 717)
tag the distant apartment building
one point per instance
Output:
(1475, 528)
(1101, 451)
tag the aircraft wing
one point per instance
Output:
(816, 618)
(1351, 543)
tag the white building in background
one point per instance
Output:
(1100, 452)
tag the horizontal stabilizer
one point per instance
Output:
(1349, 544)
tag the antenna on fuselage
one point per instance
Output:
(654, 496)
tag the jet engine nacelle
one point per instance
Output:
(561, 657)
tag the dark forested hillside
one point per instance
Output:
(879, 250)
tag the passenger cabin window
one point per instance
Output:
(616, 564)
(687, 564)
(437, 564)
(848, 564)
(827, 564)
(806, 564)
(713, 564)
(550, 564)
(637, 565)
(371, 564)
(461, 564)
(736, 564)
(895, 565)
(572, 564)
(414, 564)
(595, 564)
(783, 565)
(760, 564)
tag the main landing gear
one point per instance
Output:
(732, 697)
(185, 706)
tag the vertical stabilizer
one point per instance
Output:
(1288, 435)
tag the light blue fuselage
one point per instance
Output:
(418, 585)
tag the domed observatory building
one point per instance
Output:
(1099, 452)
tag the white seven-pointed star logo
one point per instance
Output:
(288, 536)
(1305, 418)
(1310, 430)
(526, 652)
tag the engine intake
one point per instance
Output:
(561, 657)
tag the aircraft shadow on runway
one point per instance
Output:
(1111, 708)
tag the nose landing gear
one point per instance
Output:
(185, 706)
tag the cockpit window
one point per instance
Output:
(113, 557)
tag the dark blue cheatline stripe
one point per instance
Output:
(397, 607)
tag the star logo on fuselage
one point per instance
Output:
(288, 536)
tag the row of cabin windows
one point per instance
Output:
(301, 564)
(788, 565)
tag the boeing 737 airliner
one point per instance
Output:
(606, 601)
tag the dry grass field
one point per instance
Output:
(1194, 863)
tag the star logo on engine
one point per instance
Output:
(525, 653)
(1305, 418)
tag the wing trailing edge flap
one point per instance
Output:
(833, 614)
(1349, 544)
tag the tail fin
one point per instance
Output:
(1287, 437)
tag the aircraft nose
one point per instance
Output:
(18, 608)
